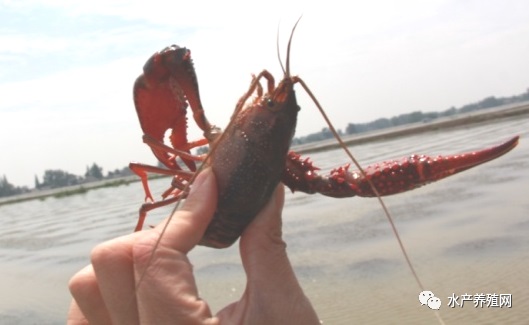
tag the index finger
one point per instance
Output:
(187, 226)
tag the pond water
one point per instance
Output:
(465, 234)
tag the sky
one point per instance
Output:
(67, 67)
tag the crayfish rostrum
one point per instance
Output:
(252, 155)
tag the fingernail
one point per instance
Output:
(201, 178)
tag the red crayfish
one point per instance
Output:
(252, 155)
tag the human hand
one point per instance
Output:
(107, 291)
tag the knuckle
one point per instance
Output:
(83, 284)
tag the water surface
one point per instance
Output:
(466, 234)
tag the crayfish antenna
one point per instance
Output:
(279, 53)
(350, 155)
(373, 188)
(287, 73)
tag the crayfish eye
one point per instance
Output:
(270, 103)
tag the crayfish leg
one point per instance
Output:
(142, 169)
(174, 191)
(182, 152)
(146, 207)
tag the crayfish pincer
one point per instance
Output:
(252, 155)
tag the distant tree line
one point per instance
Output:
(8, 189)
(55, 178)
(413, 117)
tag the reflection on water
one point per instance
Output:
(467, 234)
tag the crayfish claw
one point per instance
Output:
(388, 177)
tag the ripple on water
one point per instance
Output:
(484, 246)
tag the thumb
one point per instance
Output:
(187, 226)
(263, 251)
(272, 289)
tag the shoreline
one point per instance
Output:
(481, 116)
(486, 115)
(68, 190)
